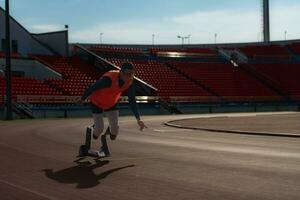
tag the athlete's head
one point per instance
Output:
(127, 71)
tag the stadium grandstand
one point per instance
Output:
(48, 73)
(216, 118)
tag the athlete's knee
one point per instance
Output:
(114, 131)
(97, 131)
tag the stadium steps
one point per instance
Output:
(74, 81)
(169, 106)
(292, 51)
(142, 86)
(56, 87)
(168, 82)
(23, 110)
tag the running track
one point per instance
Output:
(37, 162)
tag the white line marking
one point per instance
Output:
(158, 130)
(230, 149)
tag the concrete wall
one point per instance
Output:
(31, 68)
(85, 111)
(2, 114)
(26, 43)
(56, 40)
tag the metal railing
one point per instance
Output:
(35, 99)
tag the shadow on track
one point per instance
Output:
(82, 174)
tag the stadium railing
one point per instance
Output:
(35, 99)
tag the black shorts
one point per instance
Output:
(97, 110)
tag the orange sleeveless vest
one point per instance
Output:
(106, 98)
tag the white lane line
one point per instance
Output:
(158, 130)
(29, 190)
(208, 147)
(167, 130)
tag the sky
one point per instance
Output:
(161, 21)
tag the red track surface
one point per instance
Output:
(37, 162)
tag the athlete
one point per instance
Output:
(104, 95)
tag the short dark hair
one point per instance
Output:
(127, 66)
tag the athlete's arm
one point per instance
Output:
(132, 102)
(133, 106)
(103, 82)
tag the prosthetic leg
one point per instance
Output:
(85, 150)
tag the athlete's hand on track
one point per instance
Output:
(141, 124)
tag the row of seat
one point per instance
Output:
(167, 81)
(116, 49)
(183, 50)
(13, 54)
(287, 75)
(264, 50)
(224, 79)
(77, 74)
(220, 77)
(27, 86)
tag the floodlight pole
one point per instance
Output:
(285, 32)
(8, 100)
(153, 35)
(266, 20)
(182, 39)
(101, 35)
(188, 38)
(216, 35)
